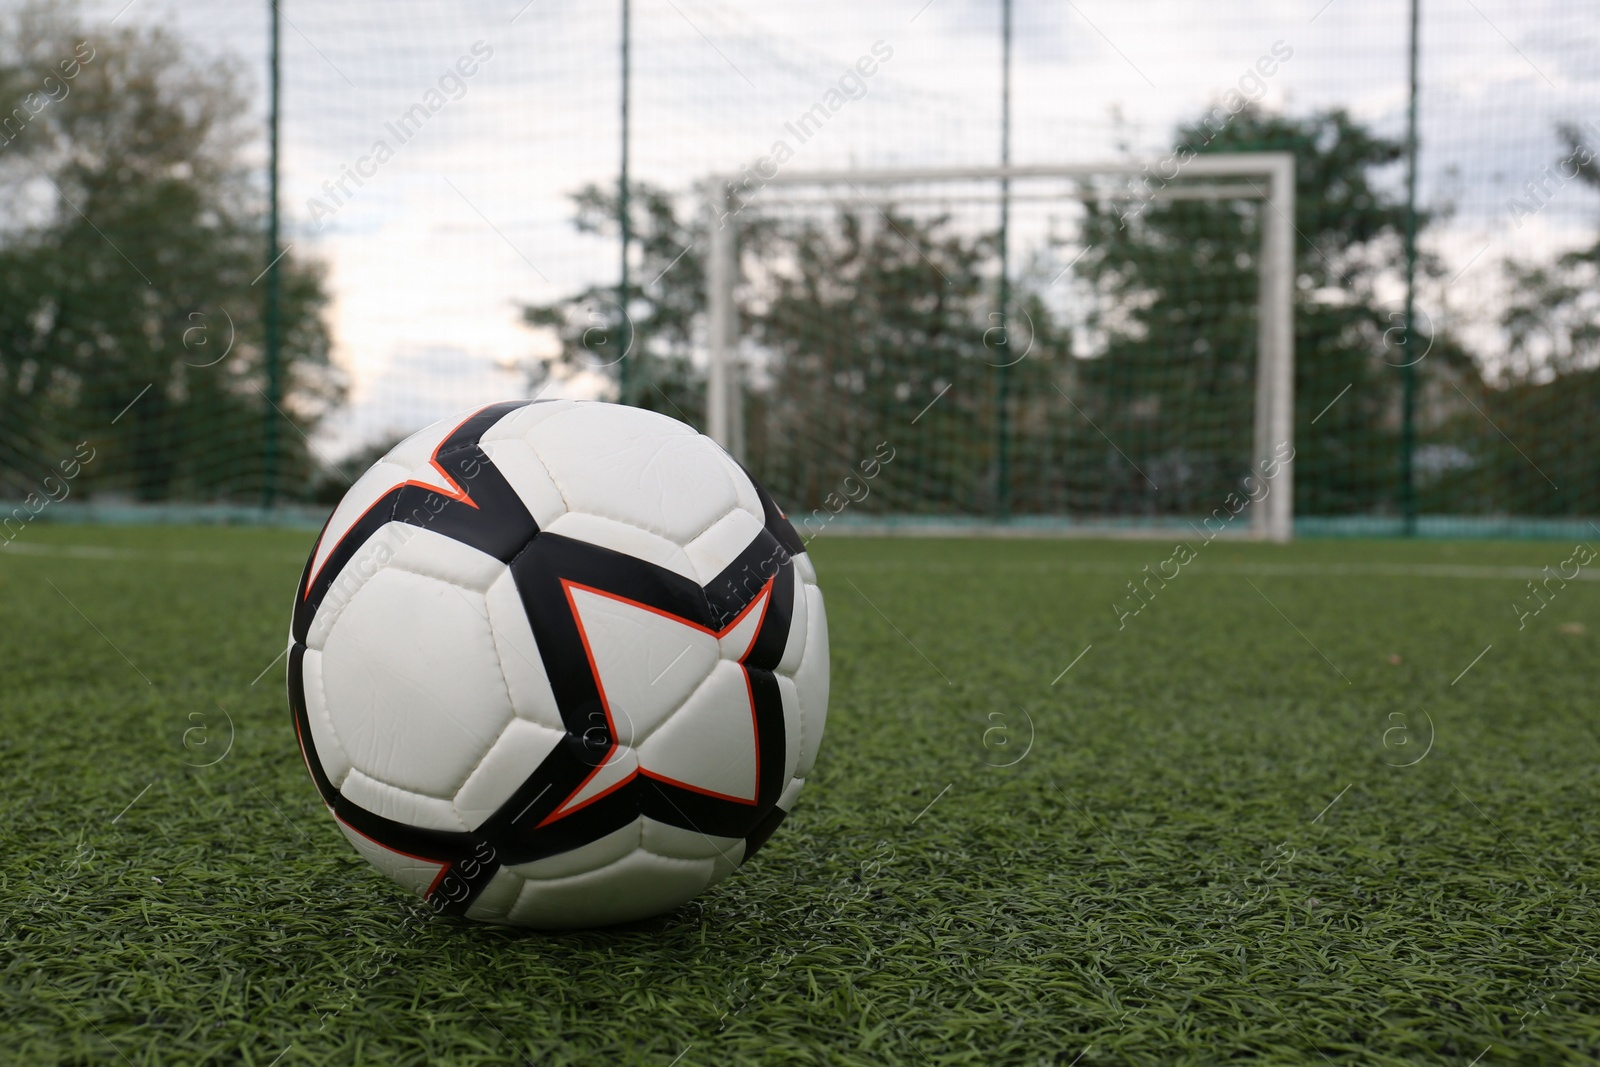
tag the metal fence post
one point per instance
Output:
(274, 293)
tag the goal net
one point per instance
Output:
(1053, 349)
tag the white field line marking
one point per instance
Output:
(1263, 570)
(1464, 571)
(104, 552)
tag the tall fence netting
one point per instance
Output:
(450, 178)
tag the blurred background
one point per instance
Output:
(504, 198)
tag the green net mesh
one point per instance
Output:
(449, 236)
(876, 326)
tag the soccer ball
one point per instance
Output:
(558, 664)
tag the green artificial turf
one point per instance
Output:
(1199, 844)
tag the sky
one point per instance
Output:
(467, 218)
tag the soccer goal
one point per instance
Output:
(1059, 349)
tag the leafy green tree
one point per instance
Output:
(655, 330)
(1547, 392)
(130, 314)
(864, 319)
(1554, 326)
(855, 322)
(1174, 384)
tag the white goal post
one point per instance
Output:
(1264, 176)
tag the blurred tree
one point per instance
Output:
(1553, 324)
(853, 323)
(1174, 383)
(862, 320)
(1547, 394)
(129, 313)
(656, 330)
